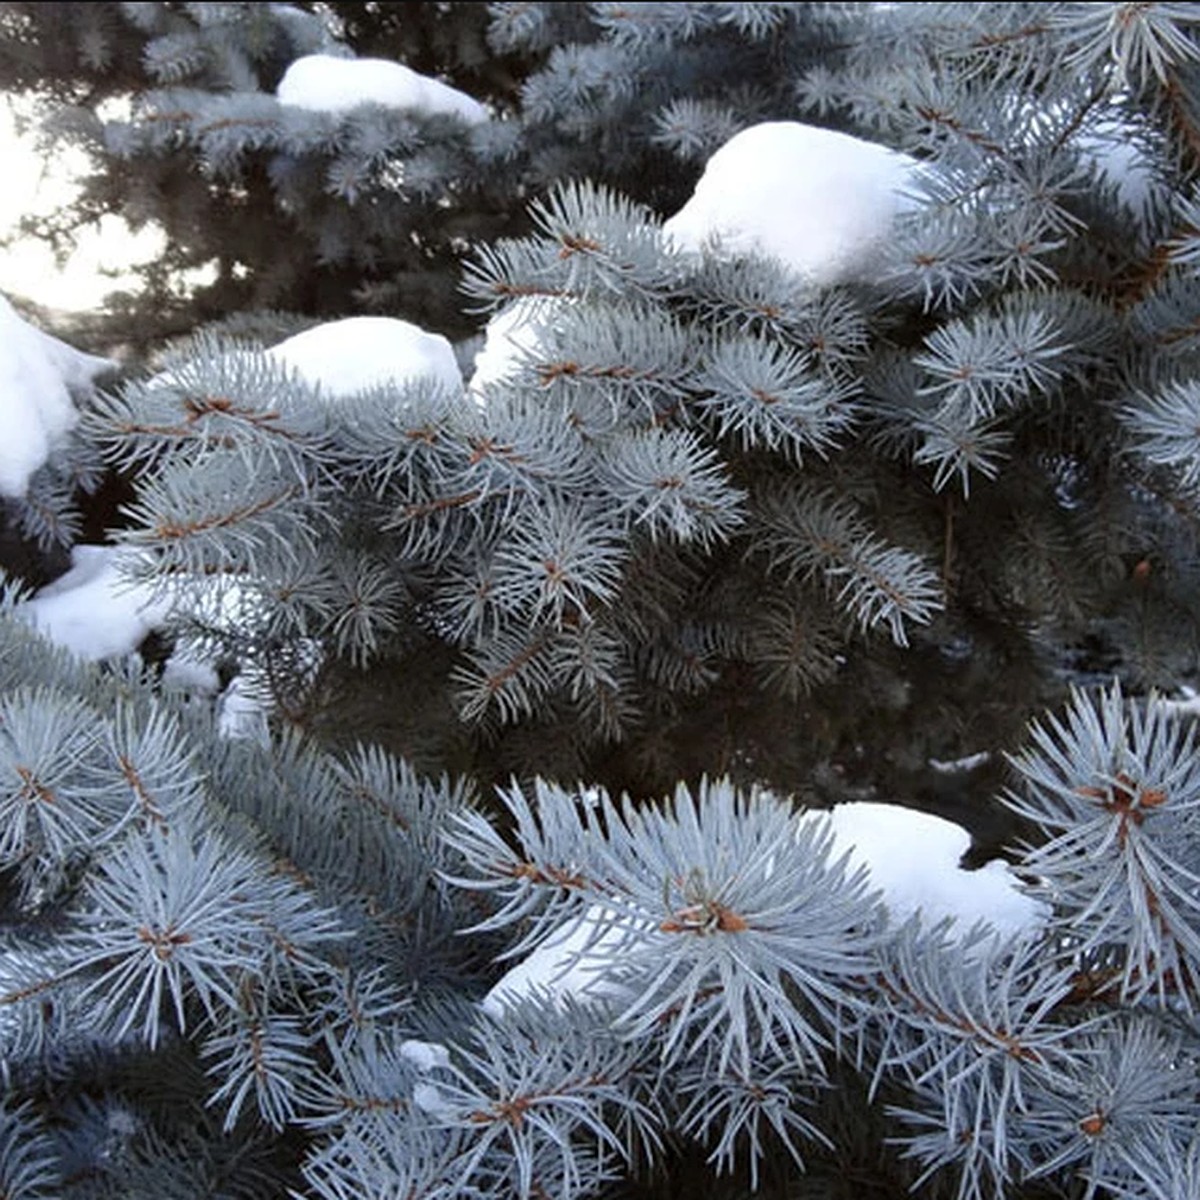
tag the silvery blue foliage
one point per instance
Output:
(700, 528)
(299, 941)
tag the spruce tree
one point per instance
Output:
(176, 104)
(554, 666)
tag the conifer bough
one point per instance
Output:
(784, 534)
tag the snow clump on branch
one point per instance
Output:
(326, 83)
(95, 610)
(913, 858)
(345, 357)
(38, 376)
(822, 203)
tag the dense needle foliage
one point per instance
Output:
(571, 649)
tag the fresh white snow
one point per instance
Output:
(1120, 152)
(354, 354)
(191, 672)
(94, 610)
(325, 83)
(1187, 706)
(241, 712)
(513, 337)
(345, 357)
(425, 1056)
(38, 374)
(913, 858)
(821, 202)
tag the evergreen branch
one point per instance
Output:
(267, 1057)
(805, 534)
(993, 363)
(768, 398)
(1118, 788)
(989, 41)
(439, 505)
(529, 1111)
(221, 396)
(958, 446)
(29, 1163)
(1013, 1017)
(1178, 98)
(568, 548)
(49, 806)
(731, 1109)
(168, 916)
(1115, 1120)
(168, 530)
(1144, 277)
(942, 119)
(556, 562)
(538, 878)
(672, 486)
(1166, 429)
(793, 646)
(693, 915)
(1181, 333)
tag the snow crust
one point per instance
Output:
(822, 202)
(326, 83)
(38, 374)
(912, 858)
(346, 357)
(94, 610)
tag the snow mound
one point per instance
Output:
(345, 357)
(325, 83)
(38, 373)
(94, 610)
(913, 858)
(512, 337)
(97, 612)
(821, 202)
